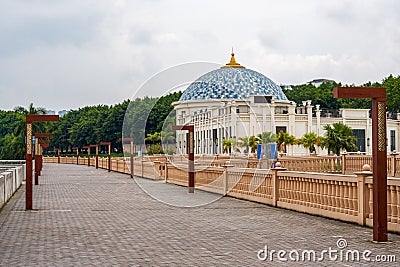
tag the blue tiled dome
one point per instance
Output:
(232, 83)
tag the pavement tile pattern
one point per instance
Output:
(89, 217)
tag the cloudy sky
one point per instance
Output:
(65, 54)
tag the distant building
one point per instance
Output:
(50, 112)
(286, 87)
(62, 112)
(318, 82)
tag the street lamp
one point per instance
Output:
(30, 119)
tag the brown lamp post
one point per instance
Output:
(88, 153)
(109, 153)
(30, 119)
(39, 155)
(379, 157)
(190, 151)
(131, 151)
(42, 146)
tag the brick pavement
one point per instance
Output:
(89, 217)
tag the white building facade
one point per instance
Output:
(233, 102)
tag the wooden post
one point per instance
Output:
(109, 158)
(131, 152)
(190, 145)
(28, 191)
(109, 153)
(45, 145)
(132, 155)
(36, 161)
(39, 154)
(58, 155)
(88, 153)
(97, 155)
(379, 158)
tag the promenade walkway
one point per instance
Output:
(89, 217)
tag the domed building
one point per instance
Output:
(234, 101)
(228, 103)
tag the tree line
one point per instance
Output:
(101, 123)
(84, 126)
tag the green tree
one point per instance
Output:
(12, 147)
(309, 141)
(244, 142)
(266, 138)
(339, 136)
(8, 121)
(227, 144)
(249, 142)
(283, 139)
(160, 111)
(154, 138)
(20, 128)
(253, 143)
(321, 95)
(155, 149)
(392, 85)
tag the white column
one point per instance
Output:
(309, 118)
(318, 115)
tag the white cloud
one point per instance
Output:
(67, 54)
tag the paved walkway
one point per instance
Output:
(89, 217)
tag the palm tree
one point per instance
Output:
(250, 142)
(283, 139)
(228, 144)
(309, 140)
(266, 137)
(339, 136)
(22, 112)
(168, 137)
(253, 143)
(244, 142)
(153, 138)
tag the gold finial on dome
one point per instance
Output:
(232, 63)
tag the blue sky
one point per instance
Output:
(68, 54)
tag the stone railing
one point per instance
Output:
(330, 164)
(332, 195)
(11, 178)
(344, 164)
